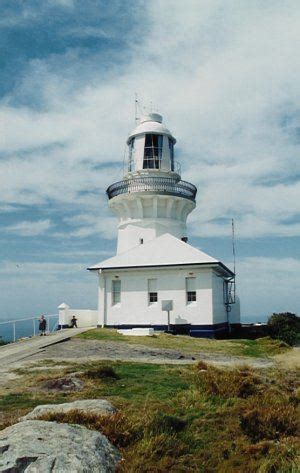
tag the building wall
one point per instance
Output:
(219, 309)
(85, 317)
(134, 308)
(148, 217)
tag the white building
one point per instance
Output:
(154, 262)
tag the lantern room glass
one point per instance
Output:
(153, 151)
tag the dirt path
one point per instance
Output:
(78, 350)
(82, 350)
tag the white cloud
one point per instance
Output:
(226, 78)
(63, 3)
(29, 228)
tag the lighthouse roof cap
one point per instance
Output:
(165, 250)
(151, 123)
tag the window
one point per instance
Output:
(115, 292)
(171, 148)
(153, 151)
(191, 294)
(131, 156)
(152, 291)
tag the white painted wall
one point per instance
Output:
(85, 317)
(148, 217)
(134, 307)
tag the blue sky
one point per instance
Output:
(225, 76)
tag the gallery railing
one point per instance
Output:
(165, 185)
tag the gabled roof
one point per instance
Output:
(165, 250)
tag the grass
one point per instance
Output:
(262, 347)
(179, 418)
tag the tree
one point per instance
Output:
(284, 326)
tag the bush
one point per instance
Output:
(284, 326)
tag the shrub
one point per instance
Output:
(284, 326)
(101, 373)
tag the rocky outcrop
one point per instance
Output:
(88, 406)
(36, 446)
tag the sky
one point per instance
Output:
(226, 78)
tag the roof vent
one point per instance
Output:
(152, 117)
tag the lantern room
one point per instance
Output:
(151, 148)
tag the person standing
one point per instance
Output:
(42, 325)
(73, 322)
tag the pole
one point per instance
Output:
(14, 330)
(233, 244)
(169, 328)
(136, 102)
(33, 321)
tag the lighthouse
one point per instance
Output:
(154, 264)
(151, 200)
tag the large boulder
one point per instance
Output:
(88, 406)
(36, 446)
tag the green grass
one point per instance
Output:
(262, 347)
(181, 418)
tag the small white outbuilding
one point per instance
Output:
(154, 262)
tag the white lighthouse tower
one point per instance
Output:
(154, 263)
(151, 199)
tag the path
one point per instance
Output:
(15, 354)
(80, 350)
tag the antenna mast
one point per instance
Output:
(136, 105)
(233, 243)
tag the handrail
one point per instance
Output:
(34, 320)
(165, 185)
(27, 318)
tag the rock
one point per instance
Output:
(63, 384)
(36, 446)
(99, 407)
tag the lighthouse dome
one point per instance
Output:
(151, 123)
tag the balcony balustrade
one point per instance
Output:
(159, 185)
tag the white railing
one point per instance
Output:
(9, 329)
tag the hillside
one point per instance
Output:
(175, 417)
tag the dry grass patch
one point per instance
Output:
(181, 418)
(241, 383)
(116, 427)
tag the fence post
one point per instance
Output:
(33, 320)
(63, 315)
(14, 331)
